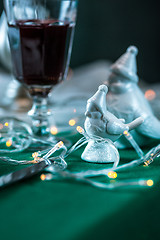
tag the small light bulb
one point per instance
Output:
(43, 177)
(112, 174)
(126, 133)
(80, 129)
(35, 154)
(59, 144)
(9, 143)
(53, 130)
(72, 122)
(47, 176)
(6, 124)
(149, 182)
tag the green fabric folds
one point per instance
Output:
(69, 210)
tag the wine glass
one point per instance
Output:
(40, 36)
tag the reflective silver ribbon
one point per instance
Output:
(23, 173)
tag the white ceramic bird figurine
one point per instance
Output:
(100, 122)
(126, 100)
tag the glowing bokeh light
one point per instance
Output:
(112, 174)
(146, 164)
(72, 122)
(59, 144)
(35, 154)
(47, 176)
(6, 124)
(80, 129)
(43, 177)
(150, 94)
(1, 126)
(150, 182)
(53, 130)
(9, 143)
(126, 133)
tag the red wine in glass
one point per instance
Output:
(39, 52)
(40, 35)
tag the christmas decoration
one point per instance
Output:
(102, 123)
(126, 100)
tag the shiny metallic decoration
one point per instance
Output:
(39, 164)
(23, 173)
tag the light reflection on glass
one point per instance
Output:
(150, 94)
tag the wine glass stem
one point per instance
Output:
(39, 114)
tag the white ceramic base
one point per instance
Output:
(100, 152)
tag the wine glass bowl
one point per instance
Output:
(40, 36)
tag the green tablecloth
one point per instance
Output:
(35, 209)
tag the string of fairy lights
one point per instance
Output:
(58, 165)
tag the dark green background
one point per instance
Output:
(106, 28)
